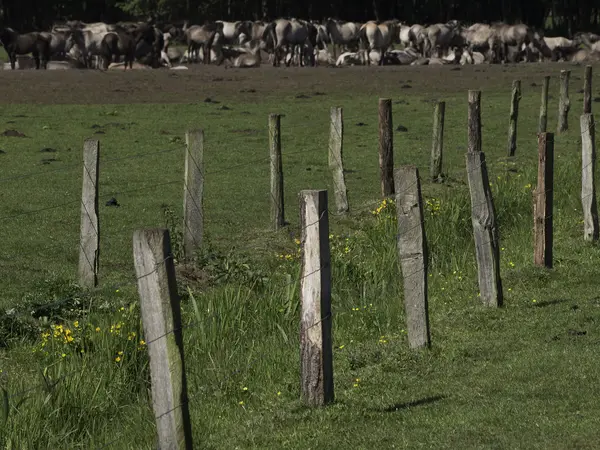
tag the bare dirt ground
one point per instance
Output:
(191, 86)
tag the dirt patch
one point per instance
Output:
(13, 133)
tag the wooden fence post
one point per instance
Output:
(193, 192)
(161, 318)
(437, 142)
(514, 115)
(336, 162)
(543, 124)
(483, 215)
(89, 252)
(587, 90)
(277, 210)
(386, 147)
(588, 179)
(412, 252)
(316, 353)
(542, 201)
(564, 104)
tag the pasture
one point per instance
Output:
(521, 376)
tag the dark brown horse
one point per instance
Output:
(22, 44)
(115, 44)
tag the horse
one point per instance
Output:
(88, 41)
(117, 43)
(484, 39)
(342, 34)
(416, 36)
(251, 58)
(379, 37)
(291, 35)
(234, 31)
(516, 36)
(439, 37)
(22, 44)
(202, 36)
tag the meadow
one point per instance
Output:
(73, 364)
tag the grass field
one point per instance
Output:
(74, 374)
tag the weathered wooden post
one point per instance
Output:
(412, 253)
(483, 215)
(542, 201)
(437, 146)
(588, 178)
(587, 90)
(277, 210)
(543, 124)
(514, 115)
(193, 192)
(316, 353)
(89, 252)
(161, 318)
(564, 104)
(336, 161)
(386, 147)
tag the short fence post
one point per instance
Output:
(161, 318)
(316, 353)
(89, 252)
(543, 124)
(386, 147)
(564, 104)
(277, 211)
(437, 142)
(588, 179)
(587, 90)
(193, 191)
(336, 162)
(483, 215)
(542, 201)
(514, 115)
(412, 252)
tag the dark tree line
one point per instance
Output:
(558, 16)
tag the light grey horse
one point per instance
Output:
(379, 37)
(342, 34)
(202, 36)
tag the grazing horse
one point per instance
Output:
(342, 34)
(22, 44)
(379, 37)
(233, 32)
(117, 43)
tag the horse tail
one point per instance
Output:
(362, 37)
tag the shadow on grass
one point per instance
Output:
(421, 402)
(546, 303)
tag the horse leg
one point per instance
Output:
(36, 58)
(13, 60)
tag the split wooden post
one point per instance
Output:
(412, 253)
(316, 352)
(336, 162)
(514, 115)
(564, 104)
(161, 319)
(543, 124)
(483, 215)
(386, 147)
(587, 90)
(277, 208)
(89, 252)
(193, 192)
(542, 201)
(588, 178)
(437, 146)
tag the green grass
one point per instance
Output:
(523, 376)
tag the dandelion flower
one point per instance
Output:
(241, 403)
(76, 324)
(97, 329)
(64, 355)
(118, 359)
(278, 392)
(341, 347)
(244, 389)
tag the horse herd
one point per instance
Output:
(292, 41)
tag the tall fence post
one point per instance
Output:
(277, 210)
(316, 353)
(412, 252)
(542, 201)
(386, 147)
(437, 146)
(336, 161)
(564, 104)
(161, 319)
(588, 178)
(89, 252)
(514, 115)
(483, 215)
(587, 90)
(193, 192)
(543, 124)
